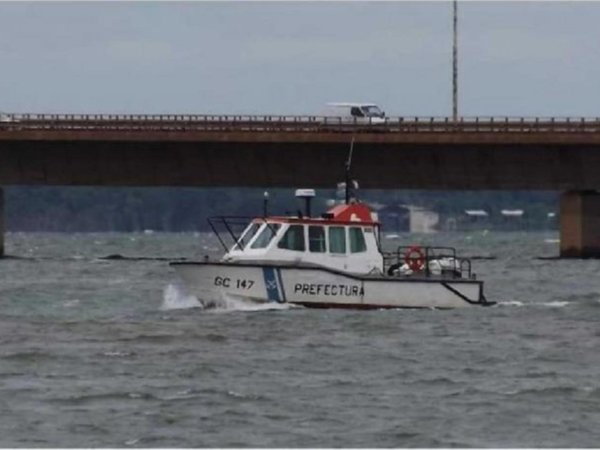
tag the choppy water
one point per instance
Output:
(112, 353)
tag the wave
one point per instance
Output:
(118, 354)
(71, 303)
(35, 355)
(510, 303)
(550, 304)
(435, 381)
(173, 396)
(102, 396)
(549, 391)
(176, 297)
(553, 304)
(231, 303)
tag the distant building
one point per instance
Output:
(394, 218)
(512, 219)
(476, 213)
(473, 219)
(512, 212)
(416, 219)
(423, 220)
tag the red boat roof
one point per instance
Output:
(354, 212)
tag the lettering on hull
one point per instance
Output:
(329, 290)
(238, 283)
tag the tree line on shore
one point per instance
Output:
(88, 209)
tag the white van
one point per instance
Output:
(360, 113)
(4, 117)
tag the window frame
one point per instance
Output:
(247, 236)
(274, 227)
(325, 246)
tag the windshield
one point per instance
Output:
(372, 111)
(246, 236)
(269, 230)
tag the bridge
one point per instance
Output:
(471, 153)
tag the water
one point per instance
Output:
(113, 353)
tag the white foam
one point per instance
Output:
(511, 303)
(175, 297)
(117, 354)
(180, 395)
(555, 304)
(71, 303)
(231, 303)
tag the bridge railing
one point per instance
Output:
(295, 123)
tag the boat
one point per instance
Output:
(334, 260)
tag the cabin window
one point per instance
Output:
(293, 239)
(372, 111)
(337, 240)
(356, 112)
(266, 235)
(357, 240)
(316, 239)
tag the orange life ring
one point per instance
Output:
(415, 258)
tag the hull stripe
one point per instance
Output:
(271, 284)
(281, 285)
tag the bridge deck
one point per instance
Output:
(295, 124)
(263, 151)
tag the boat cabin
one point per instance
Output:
(345, 238)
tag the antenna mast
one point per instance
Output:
(348, 163)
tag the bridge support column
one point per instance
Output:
(1, 222)
(580, 224)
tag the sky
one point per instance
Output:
(515, 58)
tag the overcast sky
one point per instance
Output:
(514, 58)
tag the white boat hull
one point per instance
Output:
(325, 288)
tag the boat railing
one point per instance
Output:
(428, 261)
(233, 227)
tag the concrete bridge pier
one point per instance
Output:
(580, 224)
(1, 222)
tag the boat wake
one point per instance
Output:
(554, 304)
(176, 297)
(550, 304)
(509, 303)
(229, 303)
